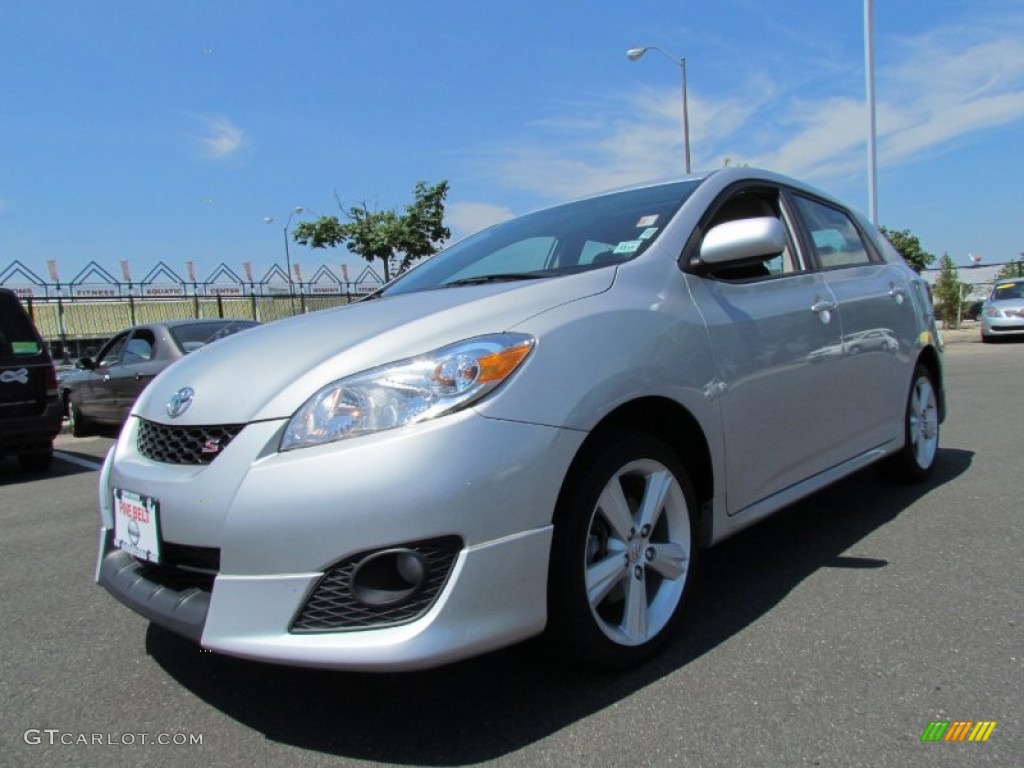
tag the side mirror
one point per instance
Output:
(743, 240)
(87, 363)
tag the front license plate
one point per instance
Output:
(136, 524)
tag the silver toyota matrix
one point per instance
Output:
(535, 431)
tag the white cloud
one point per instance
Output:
(622, 142)
(223, 137)
(467, 218)
(945, 85)
(947, 88)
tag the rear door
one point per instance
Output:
(878, 323)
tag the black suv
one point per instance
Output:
(30, 411)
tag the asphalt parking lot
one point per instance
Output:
(830, 635)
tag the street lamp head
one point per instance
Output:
(298, 209)
(635, 53)
(268, 219)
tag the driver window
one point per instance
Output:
(139, 349)
(110, 355)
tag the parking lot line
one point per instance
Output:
(94, 465)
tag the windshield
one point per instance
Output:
(1004, 291)
(587, 234)
(193, 336)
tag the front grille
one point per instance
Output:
(191, 558)
(332, 606)
(184, 445)
(175, 578)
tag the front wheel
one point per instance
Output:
(915, 460)
(623, 552)
(80, 425)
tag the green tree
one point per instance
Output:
(1012, 269)
(948, 293)
(909, 247)
(395, 239)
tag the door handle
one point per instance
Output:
(823, 308)
(900, 294)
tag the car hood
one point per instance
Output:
(269, 371)
(1005, 304)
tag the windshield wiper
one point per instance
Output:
(499, 278)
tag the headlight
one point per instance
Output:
(993, 312)
(408, 391)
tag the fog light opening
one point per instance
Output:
(389, 577)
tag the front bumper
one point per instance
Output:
(278, 522)
(1001, 326)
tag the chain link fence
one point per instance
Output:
(69, 325)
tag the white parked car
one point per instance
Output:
(1002, 315)
(536, 430)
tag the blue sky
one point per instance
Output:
(146, 131)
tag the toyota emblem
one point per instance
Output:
(180, 402)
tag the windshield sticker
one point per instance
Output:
(648, 233)
(628, 246)
(647, 221)
(25, 347)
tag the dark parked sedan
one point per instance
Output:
(105, 388)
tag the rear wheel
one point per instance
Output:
(623, 552)
(915, 460)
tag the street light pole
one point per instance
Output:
(869, 70)
(633, 54)
(297, 211)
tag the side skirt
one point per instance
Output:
(726, 525)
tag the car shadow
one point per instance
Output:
(98, 430)
(11, 472)
(487, 707)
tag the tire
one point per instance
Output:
(915, 460)
(623, 553)
(36, 461)
(80, 425)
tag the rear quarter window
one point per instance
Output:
(18, 337)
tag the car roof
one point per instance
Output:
(185, 323)
(202, 320)
(724, 177)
